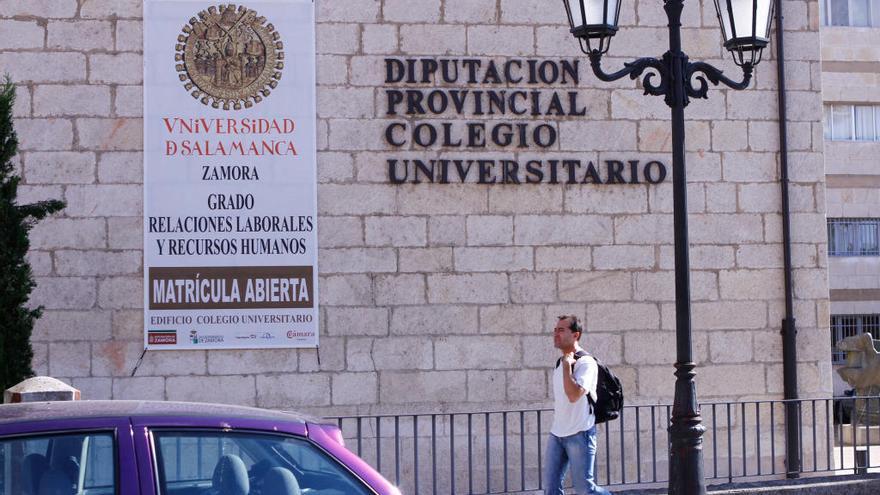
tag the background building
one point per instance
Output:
(851, 92)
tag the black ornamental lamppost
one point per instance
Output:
(745, 26)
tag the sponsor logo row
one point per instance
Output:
(169, 337)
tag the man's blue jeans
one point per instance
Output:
(579, 451)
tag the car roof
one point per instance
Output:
(46, 411)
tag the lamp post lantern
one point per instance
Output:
(745, 26)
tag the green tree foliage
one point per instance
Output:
(16, 280)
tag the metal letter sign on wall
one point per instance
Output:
(510, 106)
(230, 241)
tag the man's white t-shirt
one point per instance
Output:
(574, 417)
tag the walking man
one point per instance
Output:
(572, 439)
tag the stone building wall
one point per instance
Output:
(441, 296)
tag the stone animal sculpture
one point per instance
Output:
(862, 370)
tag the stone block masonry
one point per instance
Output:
(437, 294)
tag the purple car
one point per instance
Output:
(174, 448)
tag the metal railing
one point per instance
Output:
(478, 453)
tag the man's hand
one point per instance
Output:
(568, 358)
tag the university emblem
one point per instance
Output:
(229, 57)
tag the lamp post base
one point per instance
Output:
(686, 436)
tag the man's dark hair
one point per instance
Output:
(574, 324)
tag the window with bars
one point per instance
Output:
(854, 13)
(843, 326)
(853, 237)
(844, 122)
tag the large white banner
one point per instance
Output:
(230, 240)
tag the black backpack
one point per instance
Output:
(609, 392)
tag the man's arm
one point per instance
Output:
(572, 390)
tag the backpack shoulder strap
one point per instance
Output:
(582, 353)
(577, 355)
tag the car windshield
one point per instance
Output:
(211, 462)
(82, 464)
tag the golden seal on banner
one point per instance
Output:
(229, 57)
